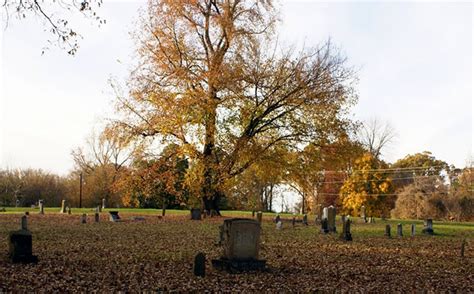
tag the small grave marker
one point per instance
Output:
(84, 218)
(293, 221)
(279, 225)
(96, 217)
(277, 218)
(305, 219)
(362, 213)
(259, 217)
(399, 230)
(114, 216)
(387, 231)
(413, 230)
(200, 265)
(346, 230)
(196, 214)
(428, 229)
(63, 206)
(103, 203)
(331, 219)
(41, 206)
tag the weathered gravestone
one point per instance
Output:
(279, 225)
(21, 244)
(68, 210)
(346, 230)
(200, 265)
(428, 229)
(241, 243)
(259, 217)
(293, 221)
(413, 230)
(114, 216)
(371, 220)
(399, 230)
(63, 206)
(277, 218)
(362, 213)
(96, 217)
(305, 219)
(387, 231)
(331, 219)
(84, 218)
(253, 213)
(195, 214)
(325, 213)
(103, 203)
(41, 206)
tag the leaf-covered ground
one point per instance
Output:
(157, 254)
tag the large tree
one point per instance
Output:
(212, 81)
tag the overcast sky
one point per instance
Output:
(414, 62)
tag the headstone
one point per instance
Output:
(399, 230)
(293, 221)
(259, 217)
(413, 230)
(279, 225)
(17, 203)
(41, 206)
(103, 203)
(463, 247)
(68, 210)
(63, 206)
(331, 219)
(428, 229)
(84, 218)
(305, 219)
(253, 213)
(196, 214)
(387, 231)
(200, 265)
(324, 226)
(325, 213)
(346, 230)
(21, 244)
(24, 223)
(277, 218)
(114, 216)
(371, 220)
(343, 219)
(96, 217)
(241, 243)
(97, 209)
(362, 213)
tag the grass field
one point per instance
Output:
(157, 254)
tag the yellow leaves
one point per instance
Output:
(367, 186)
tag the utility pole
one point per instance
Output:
(80, 190)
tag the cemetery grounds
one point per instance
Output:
(157, 255)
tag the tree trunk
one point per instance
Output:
(210, 193)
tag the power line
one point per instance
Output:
(393, 169)
(393, 179)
